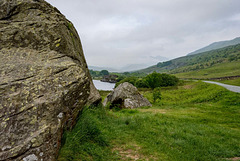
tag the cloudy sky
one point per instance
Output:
(116, 33)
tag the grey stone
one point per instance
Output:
(126, 96)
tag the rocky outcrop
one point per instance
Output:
(109, 78)
(44, 80)
(126, 96)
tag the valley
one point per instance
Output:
(192, 120)
(139, 104)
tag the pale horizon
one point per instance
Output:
(119, 33)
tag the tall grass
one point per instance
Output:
(86, 141)
(196, 121)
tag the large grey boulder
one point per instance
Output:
(126, 96)
(44, 79)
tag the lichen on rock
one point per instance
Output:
(44, 79)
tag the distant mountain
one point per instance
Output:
(127, 68)
(217, 45)
(198, 61)
(133, 67)
(151, 60)
(95, 68)
(159, 58)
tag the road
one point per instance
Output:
(229, 87)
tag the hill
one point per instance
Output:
(220, 71)
(217, 45)
(214, 59)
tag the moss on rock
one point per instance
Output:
(44, 76)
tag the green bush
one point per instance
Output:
(157, 94)
(169, 80)
(152, 80)
(104, 72)
(141, 83)
(155, 79)
(120, 78)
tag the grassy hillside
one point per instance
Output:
(219, 70)
(217, 45)
(211, 60)
(195, 121)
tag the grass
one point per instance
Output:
(219, 70)
(235, 82)
(104, 94)
(195, 121)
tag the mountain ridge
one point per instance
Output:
(131, 67)
(217, 45)
(197, 62)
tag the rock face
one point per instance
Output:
(44, 80)
(126, 96)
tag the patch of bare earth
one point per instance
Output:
(188, 86)
(234, 159)
(130, 153)
(162, 111)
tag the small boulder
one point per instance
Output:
(126, 96)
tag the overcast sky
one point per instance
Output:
(115, 33)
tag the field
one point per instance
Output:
(194, 121)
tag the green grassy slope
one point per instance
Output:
(206, 60)
(195, 121)
(215, 71)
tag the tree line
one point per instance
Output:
(152, 80)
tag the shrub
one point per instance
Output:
(152, 80)
(155, 79)
(157, 94)
(104, 72)
(131, 80)
(141, 83)
(120, 78)
(169, 80)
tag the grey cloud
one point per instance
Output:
(116, 33)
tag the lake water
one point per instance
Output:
(105, 86)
